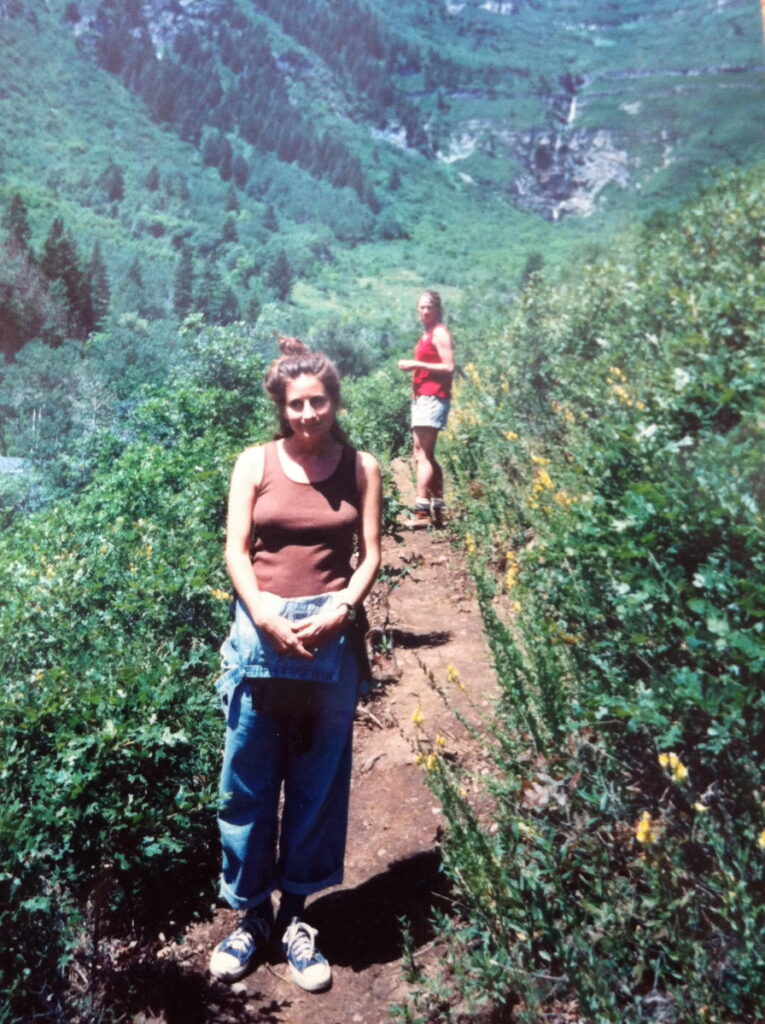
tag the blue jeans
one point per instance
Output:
(284, 733)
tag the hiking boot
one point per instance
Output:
(420, 518)
(437, 515)
(309, 969)
(231, 959)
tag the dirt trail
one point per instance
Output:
(430, 621)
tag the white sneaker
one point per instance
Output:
(308, 967)
(231, 959)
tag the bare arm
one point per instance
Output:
(334, 617)
(442, 339)
(262, 606)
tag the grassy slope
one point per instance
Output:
(63, 119)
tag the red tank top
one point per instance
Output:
(304, 533)
(423, 381)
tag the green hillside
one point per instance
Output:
(335, 159)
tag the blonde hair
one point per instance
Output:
(435, 298)
(296, 361)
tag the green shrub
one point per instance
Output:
(606, 450)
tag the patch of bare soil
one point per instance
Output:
(424, 619)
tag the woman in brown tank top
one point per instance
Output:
(292, 670)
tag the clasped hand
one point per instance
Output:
(298, 639)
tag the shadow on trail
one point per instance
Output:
(167, 991)
(412, 641)
(361, 927)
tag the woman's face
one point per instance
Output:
(427, 311)
(308, 409)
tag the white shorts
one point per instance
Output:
(430, 411)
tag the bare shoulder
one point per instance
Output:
(367, 468)
(250, 464)
(442, 334)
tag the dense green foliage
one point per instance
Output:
(114, 605)
(606, 450)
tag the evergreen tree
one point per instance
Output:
(212, 149)
(28, 309)
(270, 220)
(226, 162)
(112, 181)
(394, 180)
(279, 275)
(229, 232)
(211, 297)
(16, 221)
(61, 265)
(254, 306)
(229, 312)
(240, 170)
(183, 290)
(98, 280)
(232, 200)
(133, 293)
(152, 180)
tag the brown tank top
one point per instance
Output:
(304, 532)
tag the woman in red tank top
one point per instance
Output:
(432, 370)
(292, 664)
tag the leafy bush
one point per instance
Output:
(115, 604)
(606, 447)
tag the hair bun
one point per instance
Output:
(289, 346)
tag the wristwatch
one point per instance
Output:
(351, 610)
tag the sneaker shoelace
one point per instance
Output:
(301, 942)
(239, 941)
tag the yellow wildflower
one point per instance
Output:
(616, 372)
(419, 758)
(452, 674)
(671, 763)
(441, 741)
(513, 569)
(220, 595)
(417, 716)
(645, 832)
(516, 606)
(539, 460)
(470, 545)
(510, 435)
(542, 481)
(431, 762)
(700, 808)
(472, 374)
(761, 840)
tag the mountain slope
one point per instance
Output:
(345, 153)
